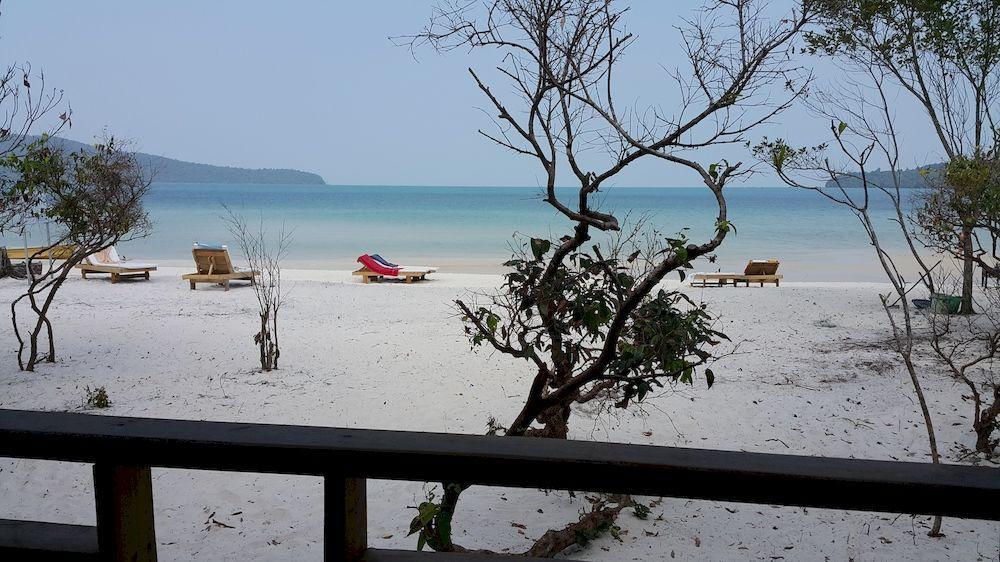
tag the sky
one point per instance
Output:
(318, 86)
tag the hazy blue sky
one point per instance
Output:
(316, 85)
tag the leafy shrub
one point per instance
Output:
(97, 397)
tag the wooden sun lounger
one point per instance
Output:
(757, 271)
(368, 275)
(215, 266)
(117, 273)
(108, 261)
(40, 253)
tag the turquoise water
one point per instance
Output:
(469, 228)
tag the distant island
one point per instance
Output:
(170, 170)
(908, 179)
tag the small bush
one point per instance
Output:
(641, 510)
(97, 397)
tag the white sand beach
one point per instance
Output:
(811, 374)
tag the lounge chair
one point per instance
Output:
(108, 261)
(40, 253)
(377, 268)
(756, 271)
(214, 266)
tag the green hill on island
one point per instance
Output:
(171, 170)
(908, 179)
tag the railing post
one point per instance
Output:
(124, 498)
(345, 518)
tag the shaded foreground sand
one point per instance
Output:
(811, 375)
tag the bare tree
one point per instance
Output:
(93, 199)
(968, 346)
(591, 321)
(265, 256)
(24, 101)
(946, 56)
(863, 132)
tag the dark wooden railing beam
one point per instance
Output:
(124, 449)
(882, 486)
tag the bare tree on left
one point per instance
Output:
(93, 199)
(24, 101)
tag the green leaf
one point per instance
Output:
(426, 512)
(709, 377)
(415, 525)
(841, 128)
(778, 156)
(421, 541)
(539, 247)
(725, 226)
(641, 510)
(492, 320)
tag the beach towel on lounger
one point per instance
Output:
(377, 267)
(384, 261)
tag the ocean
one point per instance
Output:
(469, 229)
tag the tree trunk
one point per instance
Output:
(983, 444)
(52, 342)
(6, 268)
(262, 342)
(32, 349)
(555, 423)
(929, 426)
(275, 351)
(266, 342)
(986, 423)
(968, 262)
(42, 318)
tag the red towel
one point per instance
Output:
(375, 266)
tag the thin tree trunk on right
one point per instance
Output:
(968, 262)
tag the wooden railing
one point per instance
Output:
(123, 450)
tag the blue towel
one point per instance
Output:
(383, 261)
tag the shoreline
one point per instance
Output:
(470, 231)
(794, 271)
(171, 270)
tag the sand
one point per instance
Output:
(810, 375)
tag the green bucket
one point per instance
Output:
(945, 304)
